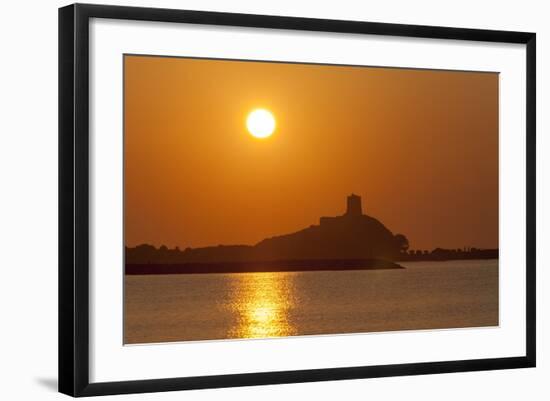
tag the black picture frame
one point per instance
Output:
(74, 192)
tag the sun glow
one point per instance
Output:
(263, 302)
(260, 123)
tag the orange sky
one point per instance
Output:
(420, 147)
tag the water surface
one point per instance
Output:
(425, 295)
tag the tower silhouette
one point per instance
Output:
(354, 205)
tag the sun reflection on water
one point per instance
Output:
(263, 303)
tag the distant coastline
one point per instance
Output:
(352, 241)
(261, 266)
(440, 254)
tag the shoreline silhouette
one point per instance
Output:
(261, 266)
(352, 241)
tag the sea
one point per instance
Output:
(198, 307)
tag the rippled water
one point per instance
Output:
(425, 295)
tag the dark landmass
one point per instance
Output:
(265, 266)
(351, 241)
(353, 235)
(440, 254)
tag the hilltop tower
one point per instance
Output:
(354, 206)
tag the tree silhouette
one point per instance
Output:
(401, 242)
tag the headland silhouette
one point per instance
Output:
(352, 241)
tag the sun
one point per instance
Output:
(260, 123)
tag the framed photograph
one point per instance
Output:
(250, 199)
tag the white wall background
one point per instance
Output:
(28, 199)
